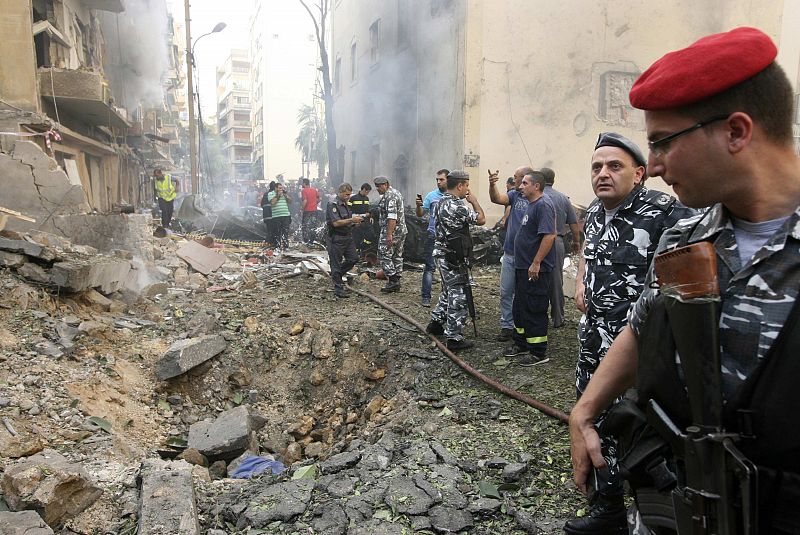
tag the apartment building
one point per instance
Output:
(234, 109)
(426, 84)
(76, 88)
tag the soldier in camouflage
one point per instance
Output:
(451, 253)
(622, 229)
(393, 233)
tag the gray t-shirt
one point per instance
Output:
(565, 213)
(750, 237)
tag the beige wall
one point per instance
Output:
(542, 99)
(17, 56)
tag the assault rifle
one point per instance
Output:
(470, 299)
(720, 491)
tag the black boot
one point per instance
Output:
(393, 285)
(435, 328)
(606, 517)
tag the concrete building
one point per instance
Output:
(233, 119)
(421, 85)
(285, 58)
(68, 94)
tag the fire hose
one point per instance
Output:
(500, 387)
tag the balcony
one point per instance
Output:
(84, 95)
(114, 6)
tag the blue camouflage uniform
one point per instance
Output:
(391, 207)
(452, 217)
(617, 255)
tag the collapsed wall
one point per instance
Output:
(34, 185)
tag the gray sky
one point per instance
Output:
(213, 49)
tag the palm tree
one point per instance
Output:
(311, 140)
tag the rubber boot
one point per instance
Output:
(606, 517)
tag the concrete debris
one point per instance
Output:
(184, 355)
(51, 485)
(106, 273)
(201, 258)
(110, 232)
(282, 501)
(23, 523)
(226, 437)
(31, 249)
(167, 503)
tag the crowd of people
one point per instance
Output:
(718, 117)
(714, 454)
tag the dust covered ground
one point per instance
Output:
(331, 377)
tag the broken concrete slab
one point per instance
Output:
(226, 437)
(23, 523)
(106, 273)
(34, 272)
(167, 501)
(27, 248)
(110, 232)
(282, 501)
(184, 355)
(49, 484)
(201, 258)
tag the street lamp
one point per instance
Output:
(189, 75)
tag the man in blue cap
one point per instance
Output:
(622, 229)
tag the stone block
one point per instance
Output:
(226, 437)
(11, 260)
(110, 232)
(49, 484)
(107, 274)
(34, 272)
(23, 523)
(184, 355)
(167, 502)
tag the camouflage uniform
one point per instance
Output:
(451, 310)
(391, 207)
(617, 256)
(756, 297)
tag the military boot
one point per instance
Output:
(606, 517)
(393, 285)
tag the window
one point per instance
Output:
(353, 63)
(402, 24)
(375, 41)
(337, 76)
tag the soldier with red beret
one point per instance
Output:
(719, 123)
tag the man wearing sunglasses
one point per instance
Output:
(622, 229)
(719, 119)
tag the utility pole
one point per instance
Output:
(190, 86)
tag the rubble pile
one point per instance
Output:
(159, 393)
(392, 486)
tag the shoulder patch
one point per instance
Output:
(659, 198)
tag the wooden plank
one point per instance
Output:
(16, 214)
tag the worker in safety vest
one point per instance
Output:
(166, 191)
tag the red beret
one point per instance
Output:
(703, 69)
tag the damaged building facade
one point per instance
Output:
(85, 112)
(441, 83)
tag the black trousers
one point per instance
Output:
(166, 208)
(308, 223)
(341, 256)
(280, 229)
